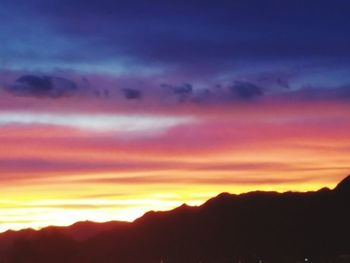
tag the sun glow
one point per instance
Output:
(58, 168)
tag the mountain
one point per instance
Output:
(251, 227)
(344, 186)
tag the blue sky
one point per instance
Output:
(305, 43)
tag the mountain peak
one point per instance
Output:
(250, 223)
(344, 185)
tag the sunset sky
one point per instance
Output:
(109, 109)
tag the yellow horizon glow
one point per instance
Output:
(52, 174)
(37, 211)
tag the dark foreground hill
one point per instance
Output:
(252, 227)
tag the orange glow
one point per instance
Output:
(57, 175)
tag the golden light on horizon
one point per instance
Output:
(54, 174)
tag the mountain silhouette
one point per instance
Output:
(251, 227)
(344, 186)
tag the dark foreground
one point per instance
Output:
(252, 227)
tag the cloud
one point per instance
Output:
(43, 86)
(246, 90)
(183, 92)
(131, 94)
(283, 83)
(215, 180)
(316, 93)
(105, 91)
(105, 36)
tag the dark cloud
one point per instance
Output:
(246, 90)
(34, 84)
(183, 92)
(42, 86)
(283, 83)
(313, 93)
(185, 89)
(131, 94)
(183, 35)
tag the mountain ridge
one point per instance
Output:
(250, 226)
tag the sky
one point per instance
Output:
(109, 109)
